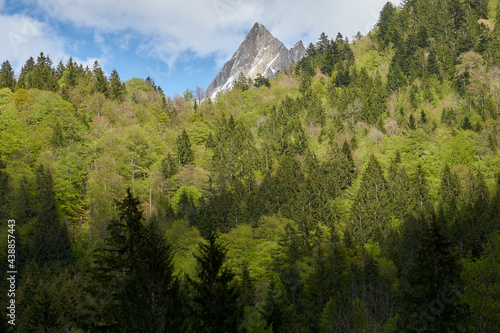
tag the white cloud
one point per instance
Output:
(167, 29)
(25, 37)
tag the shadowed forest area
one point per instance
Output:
(358, 191)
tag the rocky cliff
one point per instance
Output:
(260, 52)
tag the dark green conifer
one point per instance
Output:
(215, 295)
(411, 122)
(50, 238)
(4, 194)
(100, 80)
(116, 86)
(183, 146)
(7, 79)
(169, 166)
(369, 210)
(429, 292)
(132, 278)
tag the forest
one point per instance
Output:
(358, 191)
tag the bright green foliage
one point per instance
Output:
(275, 169)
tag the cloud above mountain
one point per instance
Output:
(167, 30)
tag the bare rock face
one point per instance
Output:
(260, 53)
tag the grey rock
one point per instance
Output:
(259, 53)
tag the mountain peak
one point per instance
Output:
(259, 53)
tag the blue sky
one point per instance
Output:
(179, 44)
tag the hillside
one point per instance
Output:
(358, 191)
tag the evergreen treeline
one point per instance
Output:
(359, 191)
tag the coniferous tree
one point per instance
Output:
(40, 310)
(135, 268)
(50, 238)
(71, 73)
(59, 72)
(369, 210)
(169, 166)
(116, 86)
(183, 145)
(4, 194)
(384, 24)
(261, 81)
(215, 292)
(432, 64)
(100, 81)
(152, 299)
(25, 79)
(43, 75)
(411, 122)
(7, 79)
(429, 293)
(449, 194)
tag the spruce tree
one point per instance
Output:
(449, 193)
(169, 167)
(24, 77)
(4, 194)
(183, 145)
(429, 292)
(51, 241)
(7, 79)
(116, 86)
(132, 278)
(369, 210)
(215, 292)
(100, 81)
(384, 24)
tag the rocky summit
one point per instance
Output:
(260, 53)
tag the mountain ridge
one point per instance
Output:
(259, 53)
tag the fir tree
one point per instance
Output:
(183, 145)
(411, 122)
(215, 295)
(449, 194)
(4, 194)
(369, 210)
(135, 268)
(169, 166)
(384, 24)
(466, 125)
(429, 294)
(50, 238)
(100, 81)
(116, 86)
(261, 81)
(7, 79)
